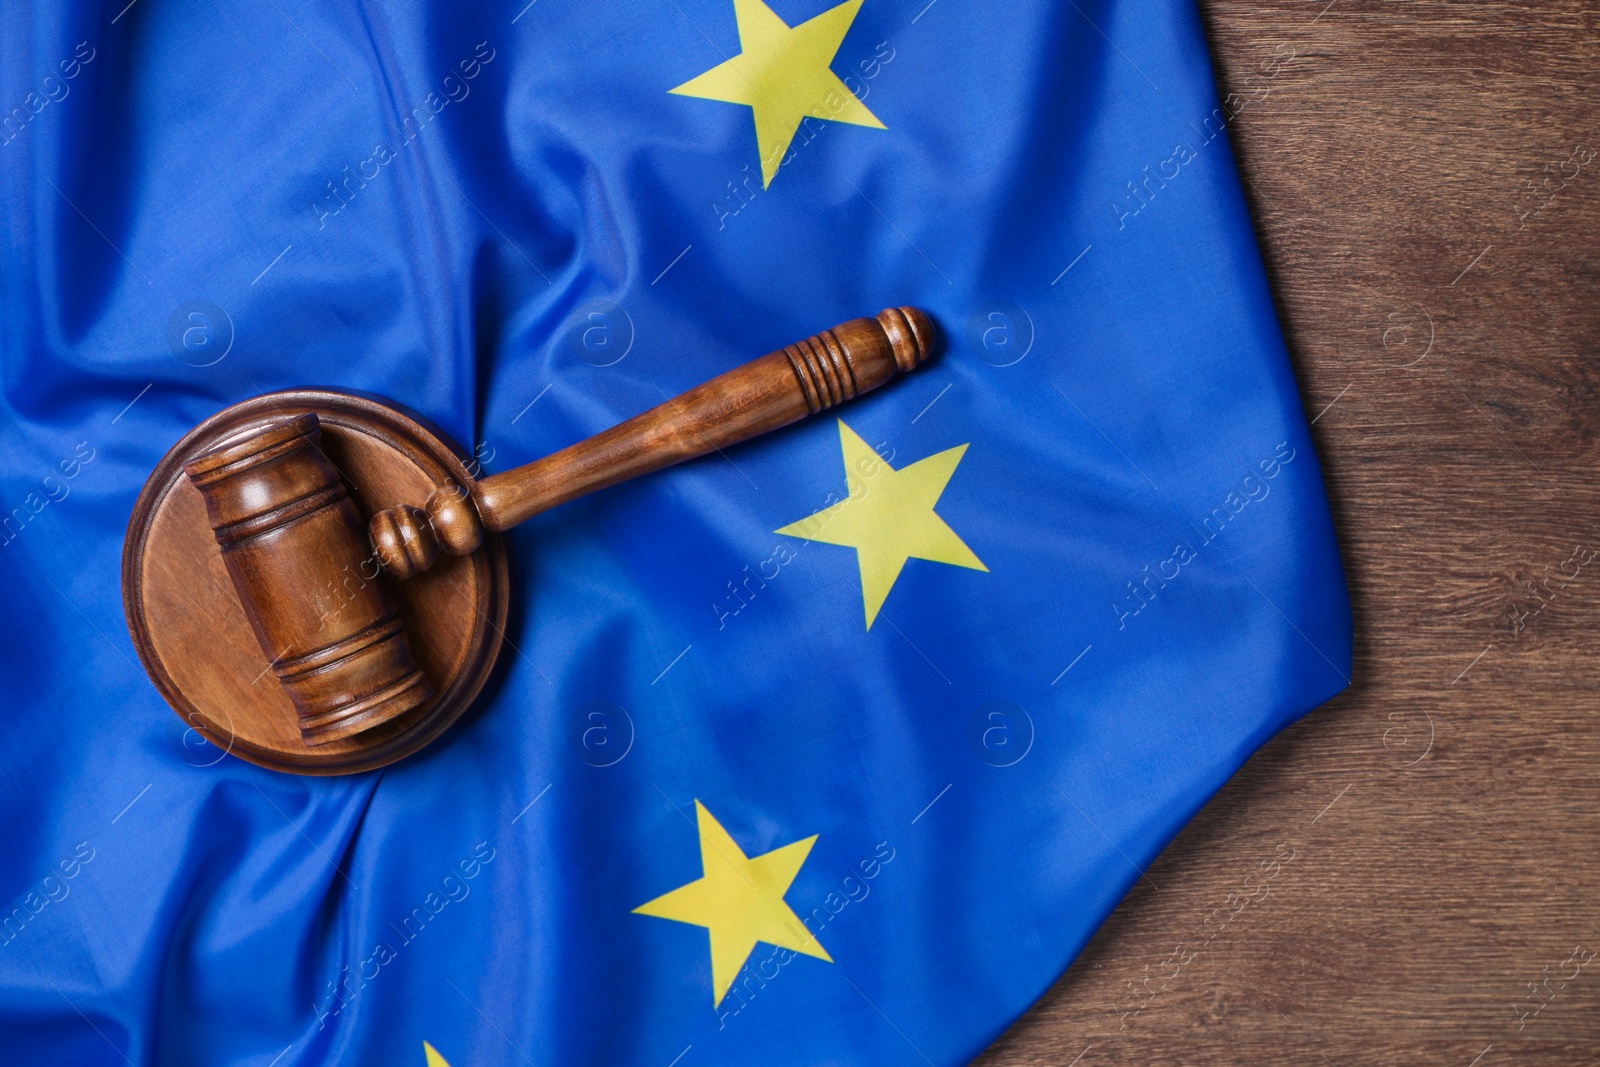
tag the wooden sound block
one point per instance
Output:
(191, 631)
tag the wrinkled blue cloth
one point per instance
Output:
(500, 217)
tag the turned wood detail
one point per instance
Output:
(772, 391)
(308, 578)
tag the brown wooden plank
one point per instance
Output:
(1381, 161)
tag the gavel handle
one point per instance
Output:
(779, 388)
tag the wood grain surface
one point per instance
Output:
(189, 625)
(754, 398)
(1436, 827)
(757, 397)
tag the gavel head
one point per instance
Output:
(296, 549)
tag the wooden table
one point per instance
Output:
(1442, 902)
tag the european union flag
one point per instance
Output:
(832, 748)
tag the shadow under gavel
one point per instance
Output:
(286, 523)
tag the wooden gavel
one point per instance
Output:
(287, 526)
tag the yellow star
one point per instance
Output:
(782, 75)
(888, 517)
(739, 900)
(434, 1059)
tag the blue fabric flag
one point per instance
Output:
(834, 748)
